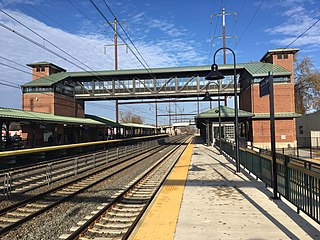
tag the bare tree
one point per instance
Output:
(307, 86)
(130, 117)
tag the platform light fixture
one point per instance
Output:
(216, 75)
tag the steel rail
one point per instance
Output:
(63, 199)
(61, 147)
(89, 223)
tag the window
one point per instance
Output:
(37, 69)
(301, 129)
(229, 132)
(285, 56)
(42, 69)
(279, 56)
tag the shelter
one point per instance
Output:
(208, 123)
(44, 129)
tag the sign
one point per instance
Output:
(264, 86)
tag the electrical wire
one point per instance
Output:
(125, 32)
(85, 16)
(302, 34)
(64, 28)
(101, 13)
(253, 16)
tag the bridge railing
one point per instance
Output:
(298, 179)
(194, 84)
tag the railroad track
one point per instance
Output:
(30, 178)
(17, 214)
(117, 217)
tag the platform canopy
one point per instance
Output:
(227, 115)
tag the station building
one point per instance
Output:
(255, 129)
(53, 91)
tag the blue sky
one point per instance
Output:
(167, 33)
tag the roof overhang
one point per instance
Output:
(280, 50)
(46, 64)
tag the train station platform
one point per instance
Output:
(204, 198)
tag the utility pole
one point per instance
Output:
(224, 32)
(115, 44)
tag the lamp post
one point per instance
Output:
(216, 75)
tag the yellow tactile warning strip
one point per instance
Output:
(161, 219)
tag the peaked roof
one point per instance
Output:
(45, 64)
(279, 50)
(137, 125)
(10, 113)
(104, 120)
(17, 114)
(226, 112)
(256, 69)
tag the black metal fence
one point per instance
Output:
(298, 179)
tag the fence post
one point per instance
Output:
(7, 182)
(286, 177)
(48, 173)
(117, 153)
(297, 151)
(107, 156)
(310, 150)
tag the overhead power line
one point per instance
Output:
(123, 40)
(9, 85)
(125, 32)
(146, 65)
(94, 24)
(64, 28)
(253, 16)
(302, 33)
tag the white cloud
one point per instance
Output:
(169, 51)
(298, 20)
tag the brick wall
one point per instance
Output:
(53, 103)
(38, 102)
(66, 106)
(245, 100)
(285, 63)
(283, 99)
(42, 71)
(284, 128)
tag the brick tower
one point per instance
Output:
(250, 100)
(46, 93)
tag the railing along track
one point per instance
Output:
(117, 218)
(17, 214)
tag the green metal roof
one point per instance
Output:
(16, 114)
(226, 112)
(104, 120)
(48, 80)
(277, 115)
(136, 125)
(256, 69)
